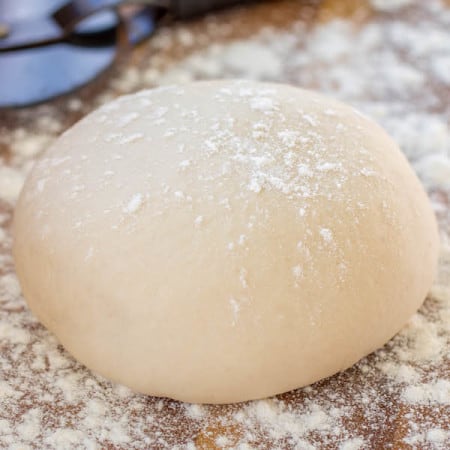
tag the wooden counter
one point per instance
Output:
(388, 58)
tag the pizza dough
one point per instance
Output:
(223, 241)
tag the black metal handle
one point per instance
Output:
(84, 22)
(71, 14)
(51, 39)
(184, 9)
(72, 21)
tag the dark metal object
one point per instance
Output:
(40, 59)
(52, 47)
(185, 9)
(33, 24)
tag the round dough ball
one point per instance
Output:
(224, 241)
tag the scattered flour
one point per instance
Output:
(390, 5)
(394, 68)
(11, 182)
(432, 393)
(326, 234)
(134, 204)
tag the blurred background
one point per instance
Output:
(388, 58)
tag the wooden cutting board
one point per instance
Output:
(397, 397)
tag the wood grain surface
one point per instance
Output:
(371, 409)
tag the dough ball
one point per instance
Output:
(223, 241)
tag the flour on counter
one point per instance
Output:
(390, 5)
(394, 71)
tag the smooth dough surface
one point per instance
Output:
(223, 241)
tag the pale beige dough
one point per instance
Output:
(223, 241)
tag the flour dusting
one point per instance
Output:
(395, 68)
